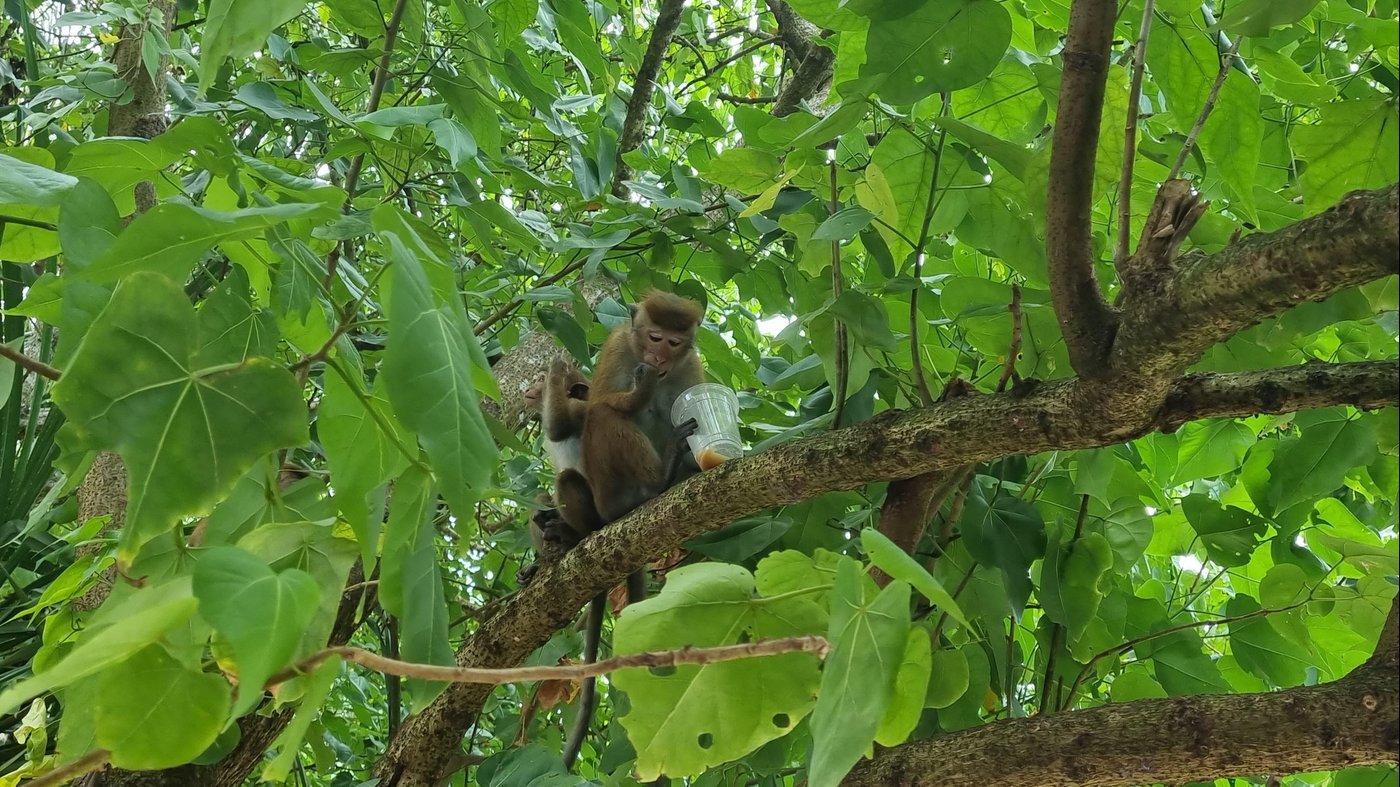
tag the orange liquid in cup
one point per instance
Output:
(710, 458)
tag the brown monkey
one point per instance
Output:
(560, 397)
(631, 452)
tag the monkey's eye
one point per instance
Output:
(656, 337)
(675, 342)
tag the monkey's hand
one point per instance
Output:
(560, 366)
(644, 375)
(685, 430)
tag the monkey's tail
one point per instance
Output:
(588, 694)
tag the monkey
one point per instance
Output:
(560, 396)
(630, 451)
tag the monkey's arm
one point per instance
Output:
(643, 389)
(675, 467)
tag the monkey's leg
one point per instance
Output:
(576, 504)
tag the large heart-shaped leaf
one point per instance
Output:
(942, 46)
(259, 612)
(688, 719)
(186, 422)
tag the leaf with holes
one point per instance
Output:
(690, 718)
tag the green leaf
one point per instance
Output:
(260, 613)
(746, 170)
(100, 650)
(288, 743)
(312, 547)
(685, 720)
(170, 237)
(894, 561)
(868, 638)
(1352, 145)
(844, 224)
(88, 223)
(1070, 581)
(428, 370)
(362, 455)
(948, 677)
(22, 183)
(235, 28)
(186, 422)
(1008, 533)
(1315, 464)
(940, 47)
(154, 712)
(1260, 647)
(866, 318)
(910, 687)
(410, 586)
(1258, 17)
(1207, 449)
(1230, 534)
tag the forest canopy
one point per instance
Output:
(1064, 336)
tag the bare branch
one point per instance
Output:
(668, 18)
(92, 761)
(1125, 182)
(31, 364)
(1086, 320)
(660, 658)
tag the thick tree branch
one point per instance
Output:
(893, 445)
(668, 18)
(1167, 325)
(1086, 319)
(814, 61)
(1348, 722)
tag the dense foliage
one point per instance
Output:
(307, 335)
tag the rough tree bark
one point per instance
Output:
(1345, 723)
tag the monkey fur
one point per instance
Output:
(630, 451)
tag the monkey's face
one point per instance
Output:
(661, 348)
(533, 395)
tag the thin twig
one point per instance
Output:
(733, 99)
(663, 658)
(82, 766)
(1009, 370)
(921, 381)
(32, 364)
(1132, 643)
(1225, 61)
(1125, 183)
(843, 365)
(376, 94)
(709, 72)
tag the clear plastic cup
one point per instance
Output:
(716, 409)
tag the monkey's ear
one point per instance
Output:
(632, 312)
(579, 391)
